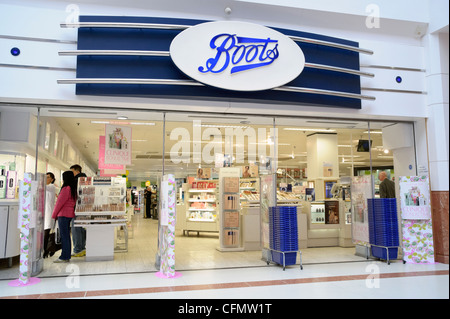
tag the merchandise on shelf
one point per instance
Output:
(318, 213)
(101, 200)
(230, 211)
(203, 185)
(201, 202)
(287, 197)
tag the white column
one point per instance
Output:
(438, 111)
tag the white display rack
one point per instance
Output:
(201, 207)
(96, 197)
(230, 238)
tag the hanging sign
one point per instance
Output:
(237, 56)
(101, 157)
(117, 144)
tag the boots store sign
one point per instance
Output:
(237, 56)
(230, 61)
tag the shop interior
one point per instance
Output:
(313, 160)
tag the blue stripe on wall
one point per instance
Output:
(163, 67)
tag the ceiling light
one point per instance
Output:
(99, 122)
(122, 117)
(121, 123)
(217, 117)
(332, 122)
(220, 126)
(307, 129)
(373, 132)
(140, 123)
(386, 151)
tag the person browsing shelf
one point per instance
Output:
(78, 233)
(387, 187)
(64, 212)
(50, 198)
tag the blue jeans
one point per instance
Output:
(66, 246)
(79, 239)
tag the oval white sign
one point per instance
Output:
(238, 56)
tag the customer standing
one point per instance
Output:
(387, 187)
(78, 233)
(50, 197)
(148, 202)
(64, 212)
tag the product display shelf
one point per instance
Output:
(101, 210)
(201, 207)
(249, 192)
(230, 239)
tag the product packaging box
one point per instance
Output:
(230, 202)
(231, 184)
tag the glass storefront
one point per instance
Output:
(312, 162)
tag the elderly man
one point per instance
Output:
(387, 187)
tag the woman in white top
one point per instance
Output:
(50, 199)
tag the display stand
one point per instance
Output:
(230, 216)
(31, 226)
(167, 227)
(101, 207)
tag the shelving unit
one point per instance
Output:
(230, 210)
(249, 192)
(101, 208)
(201, 207)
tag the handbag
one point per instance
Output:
(54, 242)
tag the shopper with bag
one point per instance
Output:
(64, 212)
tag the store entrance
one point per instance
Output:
(312, 162)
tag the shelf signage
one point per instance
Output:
(237, 56)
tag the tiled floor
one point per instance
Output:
(191, 253)
(370, 279)
(328, 273)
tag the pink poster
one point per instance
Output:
(417, 228)
(101, 157)
(117, 144)
(415, 197)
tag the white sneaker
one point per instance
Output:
(57, 261)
